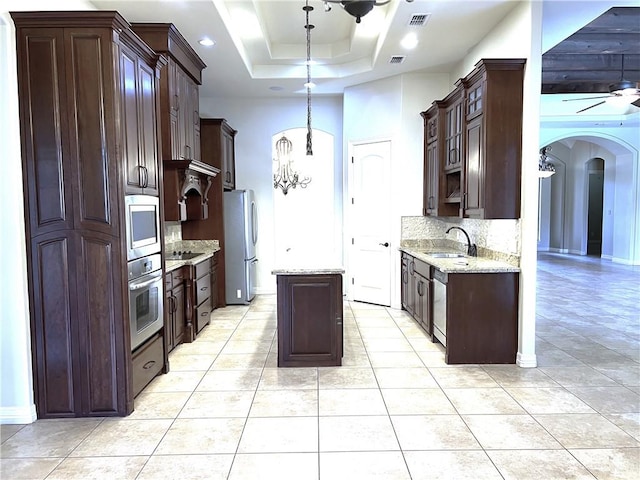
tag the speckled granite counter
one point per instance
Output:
(306, 270)
(206, 247)
(461, 264)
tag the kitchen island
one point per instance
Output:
(309, 316)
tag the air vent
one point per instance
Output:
(397, 59)
(418, 19)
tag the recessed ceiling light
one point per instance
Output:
(206, 42)
(410, 41)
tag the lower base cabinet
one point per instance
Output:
(474, 315)
(309, 320)
(148, 361)
(481, 318)
(175, 306)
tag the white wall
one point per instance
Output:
(257, 120)
(16, 388)
(389, 109)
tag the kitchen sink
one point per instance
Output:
(446, 255)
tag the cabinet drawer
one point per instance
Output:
(177, 277)
(203, 289)
(422, 268)
(203, 268)
(203, 314)
(147, 363)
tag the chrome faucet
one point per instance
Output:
(472, 250)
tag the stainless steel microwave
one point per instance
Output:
(143, 225)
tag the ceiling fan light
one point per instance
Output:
(624, 88)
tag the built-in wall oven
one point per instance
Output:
(142, 213)
(145, 298)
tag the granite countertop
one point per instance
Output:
(207, 247)
(307, 270)
(461, 264)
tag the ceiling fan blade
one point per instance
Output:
(594, 105)
(636, 103)
(585, 98)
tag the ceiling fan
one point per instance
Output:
(356, 8)
(624, 92)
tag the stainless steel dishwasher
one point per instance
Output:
(440, 306)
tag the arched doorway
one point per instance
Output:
(565, 198)
(595, 194)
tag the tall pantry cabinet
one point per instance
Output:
(89, 134)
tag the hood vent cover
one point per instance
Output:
(418, 19)
(395, 59)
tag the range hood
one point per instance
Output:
(186, 189)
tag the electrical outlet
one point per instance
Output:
(238, 293)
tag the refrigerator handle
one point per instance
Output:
(254, 222)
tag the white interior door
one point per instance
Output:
(370, 255)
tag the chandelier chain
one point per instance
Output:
(308, 27)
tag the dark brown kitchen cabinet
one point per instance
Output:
(221, 150)
(416, 291)
(309, 320)
(481, 317)
(139, 119)
(175, 307)
(179, 96)
(481, 132)
(74, 69)
(494, 139)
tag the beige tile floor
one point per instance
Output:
(395, 410)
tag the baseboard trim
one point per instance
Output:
(623, 261)
(558, 250)
(526, 360)
(18, 415)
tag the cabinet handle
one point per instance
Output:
(204, 314)
(404, 276)
(204, 289)
(176, 102)
(227, 177)
(187, 152)
(412, 267)
(430, 202)
(145, 176)
(140, 176)
(420, 290)
(149, 364)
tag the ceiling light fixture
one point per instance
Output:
(206, 42)
(357, 8)
(309, 83)
(285, 176)
(545, 167)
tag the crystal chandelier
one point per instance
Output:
(545, 167)
(286, 177)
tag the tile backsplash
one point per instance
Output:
(172, 232)
(497, 239)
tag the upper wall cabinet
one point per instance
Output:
(179, 97)
(221, 151)
(480, 129)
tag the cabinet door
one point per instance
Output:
(228, 156)
(454, 117)
(178, 323)
(432, 168)
(214, 286)
(404, 286)
(309, 320)
(147, 128)
(129, 84)
(423, 304)
(48, 174)
(411, 292)
(474, 175)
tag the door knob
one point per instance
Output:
(385, 244)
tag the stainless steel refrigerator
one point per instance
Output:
(240, 238)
